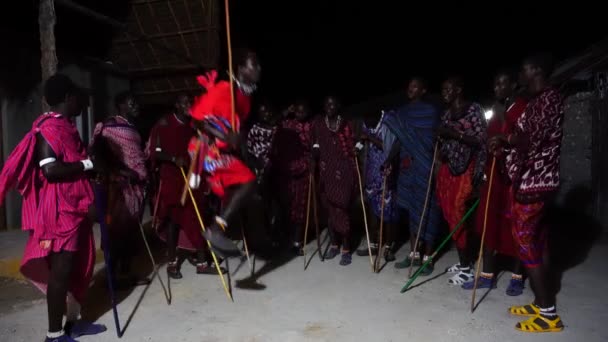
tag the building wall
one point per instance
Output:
(576, 153)
(18, 115)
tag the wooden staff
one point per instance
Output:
(381, 224)
(197, 147)
(307, 218)
(316, 217)
(369, 248)
(200, 221)
(426, 202)
(483, 233)
(155, 222)
(230, 69)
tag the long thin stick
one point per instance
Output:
(307, 218)
(155, 221)
(483, 233)
(458, 226)
(200, 221)
(316, 217)
(426, 202)
(369, 248)
(228, 41)
(101, 206)
(193, 162)
(154, 265)
(381, 224)
(246, 248)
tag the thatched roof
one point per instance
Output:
(167, 43)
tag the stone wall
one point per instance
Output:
(576, 153)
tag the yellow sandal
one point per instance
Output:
(528, 310)
(540, 324)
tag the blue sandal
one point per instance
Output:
(332, 252)
(515, 288)
(346, 259)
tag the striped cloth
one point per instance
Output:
(125, 143)
(55, 212)
(414, 126)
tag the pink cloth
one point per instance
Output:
(52, 211)
(126, 144)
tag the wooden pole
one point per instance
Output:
(48, 52)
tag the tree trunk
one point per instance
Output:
(48, 60)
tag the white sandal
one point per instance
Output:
(461, 278)
(454, 268)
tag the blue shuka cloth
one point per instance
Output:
(374, 177)
(414, 127)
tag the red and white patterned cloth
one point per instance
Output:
(125, 143)
(534, 168)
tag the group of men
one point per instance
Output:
(419, 160)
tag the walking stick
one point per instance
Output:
(426, 202)
(193, 162)
(458, 226)
(369, 248)
(155, 222)
(316, 217)
(246, 249)
(307, 218)
(154, 264)
(101, 206)
(381, 224)
(200, 221)
(483, 233)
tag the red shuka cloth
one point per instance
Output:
(172, 137)
(222, 170)
(52, 211)
(498, 228)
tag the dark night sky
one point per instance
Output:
(354, 49)
(363, 49)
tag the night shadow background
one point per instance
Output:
(572, 232)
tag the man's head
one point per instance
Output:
(505, 84)
(452, 89)
(126, 104)
(302, 110)
(331, 106)
(537, 67)
(266, 113)
(416, 88)
(61, 94)
(247, 66)
(183, 103)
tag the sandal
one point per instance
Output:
(456, 268)
(461, 278)
(407, 262)
(389, 256)
(482, 283)
(346, 259)
(208, 269)
(516, 287)
(540, 324)
(173, 271)
(525, 310)
(364, 251)
(332, 252)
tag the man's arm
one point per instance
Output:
(55, 170)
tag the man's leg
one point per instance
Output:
(174, 265)
(238, 198)
(529, 238)
(56, 294)
(516, 285)
(374, 229)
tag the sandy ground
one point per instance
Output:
(327, 302)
